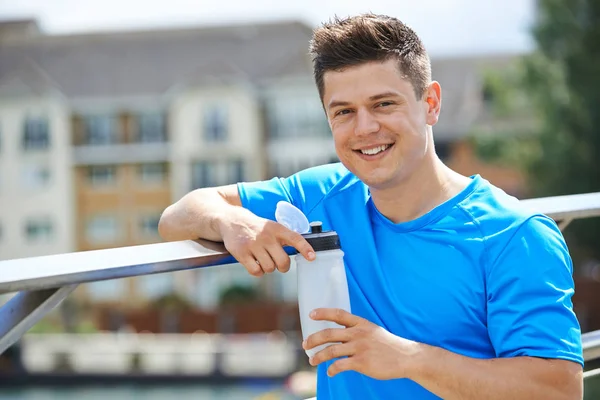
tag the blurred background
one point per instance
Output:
(112, 110)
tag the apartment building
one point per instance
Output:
(35, 182)
(100, 132)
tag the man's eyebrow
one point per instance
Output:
(383, 95)
(339, 103)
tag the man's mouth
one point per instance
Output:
(375, 150)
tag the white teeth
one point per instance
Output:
(375, 150)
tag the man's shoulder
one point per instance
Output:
(500, 217)
(490, 204)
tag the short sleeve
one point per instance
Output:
(304, 189)
(262, 197)
(530, 286)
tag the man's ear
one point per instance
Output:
(433, 98)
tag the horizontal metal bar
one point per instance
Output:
(25, 309)
(574, 206)
(591, 374)
(591, 345)
(87, 266)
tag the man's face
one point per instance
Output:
(379, 126)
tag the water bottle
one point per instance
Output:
(321, 283)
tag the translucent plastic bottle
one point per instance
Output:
(321, 283)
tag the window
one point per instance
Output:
(35, 176)
(203, 174)
(102, 175)
(101, 129)
(148, 225)
(152, 173)
(216, 173)
(39, 230)
(102, 229)
(36, 133)
(215, 123)
(298, 117)
(151, 128)
(235, 172)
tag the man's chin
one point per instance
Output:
(376, 179)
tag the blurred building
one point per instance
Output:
(100, 132)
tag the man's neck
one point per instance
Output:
(431, 185)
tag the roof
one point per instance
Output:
(149, 63)
(28, 79)
(18, 28)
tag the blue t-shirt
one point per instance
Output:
(479, 275)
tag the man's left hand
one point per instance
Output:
(368, 348)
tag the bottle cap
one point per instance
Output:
(322, 241)
(291, 217)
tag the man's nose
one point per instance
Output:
(366, 123)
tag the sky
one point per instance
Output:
(446, 27)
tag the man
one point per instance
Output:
(456, 291)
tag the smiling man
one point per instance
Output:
(456, 291)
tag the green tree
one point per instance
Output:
(560, 82)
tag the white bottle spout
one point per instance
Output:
(291, 217)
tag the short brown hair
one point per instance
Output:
(342, 43)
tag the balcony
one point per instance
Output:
(121, 153)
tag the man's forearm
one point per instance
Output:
(196, 215)
(452, 376)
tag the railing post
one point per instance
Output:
(25, 309)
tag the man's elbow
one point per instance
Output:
(574, 392)
(166, 227)
(569, 385)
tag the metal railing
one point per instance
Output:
(44, 282)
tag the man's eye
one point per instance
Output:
(342, 112)
(385, 103)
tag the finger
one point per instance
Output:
(264, 260)
(249, 262)
(337, 315)
(245, 258)
(296, 240)
(332, 352)
(344, 364)
(280, 257)
(331, 335)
